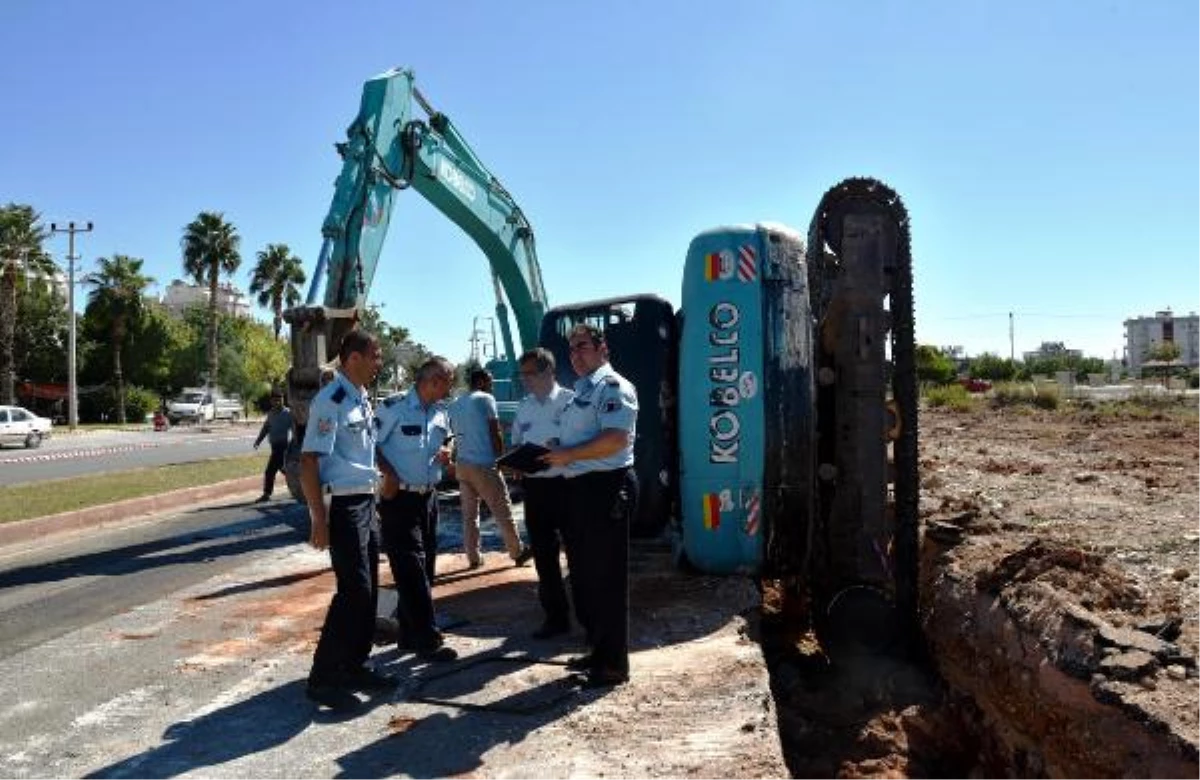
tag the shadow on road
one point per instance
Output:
(267, 584)
(243, 536)
(259, 723)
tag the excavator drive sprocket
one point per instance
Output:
(863, 574)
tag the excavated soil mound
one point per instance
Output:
(1058, 608)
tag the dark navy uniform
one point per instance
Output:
(600, 498)
(341, 430)
(539, 421)
(410, 435)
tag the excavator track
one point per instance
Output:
(864, 572)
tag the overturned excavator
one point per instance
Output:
(777, 435)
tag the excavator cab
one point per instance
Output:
(640, 331)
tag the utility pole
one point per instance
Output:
(72, 395)
(1012, 355)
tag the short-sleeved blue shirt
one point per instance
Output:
(341, 429)
(469, 414)
(539, 421)
(603, 399)
(410, 435)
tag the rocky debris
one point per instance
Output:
(1053, 613)
(1129, 665)
(1132, 639)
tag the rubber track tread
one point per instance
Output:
(830, 573)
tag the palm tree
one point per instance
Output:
(21, 252)
(210, 248)
(276, 280)
(117, 298)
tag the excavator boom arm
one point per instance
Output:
(388, 150)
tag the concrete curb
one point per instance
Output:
(120, 511)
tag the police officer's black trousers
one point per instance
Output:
(599, 511)
(405, 520)
(545, 517)
(274, 464)
(349, 627)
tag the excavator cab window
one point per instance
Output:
(640, 332)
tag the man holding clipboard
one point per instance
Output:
(535, 430)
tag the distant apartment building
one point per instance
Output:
(56, 281)
(1142, 334)
(181, 296)
(1049, 350)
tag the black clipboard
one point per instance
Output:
(526, 459)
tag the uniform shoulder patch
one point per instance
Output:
(339, 395)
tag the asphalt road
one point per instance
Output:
(51, 587)
(71, 455)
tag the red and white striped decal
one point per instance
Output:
(752, 514)
(747, 267)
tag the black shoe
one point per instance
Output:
(263, 498)
(552, 628)
(580, 663)
(335, 697)
(524, 556)
(366, 679)
(605, 678)
(438, 655)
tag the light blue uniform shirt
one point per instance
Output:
(341, 429)
(469, 415)
(539, 421)
(603, 399)
(410, 435)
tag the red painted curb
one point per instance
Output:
(95, 516)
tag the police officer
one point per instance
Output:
(538, 421)
(597, 440)
(337, 472)
(413, 448)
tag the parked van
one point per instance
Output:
(201, 405)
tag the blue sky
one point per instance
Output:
(1046, 150)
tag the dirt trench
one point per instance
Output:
(1058, 612)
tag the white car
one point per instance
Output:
(21, 426)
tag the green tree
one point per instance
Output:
(252, 359)
(1089, 365)
(158, 336)
(398, 351)
(992, 367)
(210, 249)
(116, 298)
(21, 252)
(266, 362)
(1166, 351)
(40, 335)
(934, 367)
(276, 280)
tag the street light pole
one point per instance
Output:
(72, 396)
